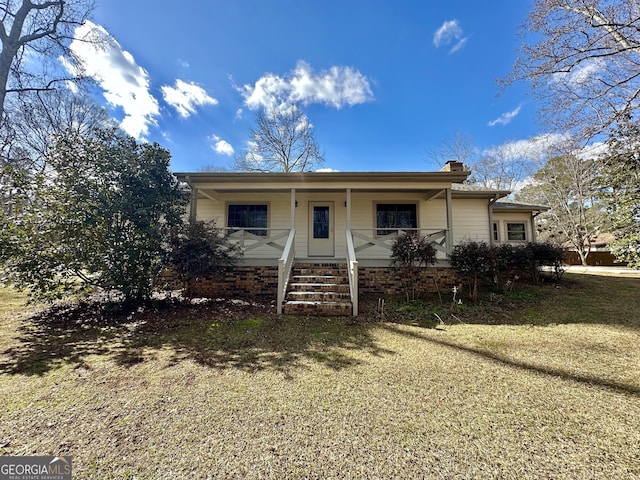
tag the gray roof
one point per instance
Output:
(513, 205)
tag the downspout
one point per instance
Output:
(533, 225)
(292, 218)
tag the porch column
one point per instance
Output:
(449, 236)
(193, 209)
(348, 209)
(491, 239)
(292, 220)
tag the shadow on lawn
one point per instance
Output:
(218, 335)
(503, 360)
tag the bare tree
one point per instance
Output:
(41, 28)
(583, 62)
(569, 185)
(460, 148)
(37, 117)
(282, 140)
(504, 167)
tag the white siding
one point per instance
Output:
(471, 220)
(470, 217)
(279, 212)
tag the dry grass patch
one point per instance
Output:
(231, 391)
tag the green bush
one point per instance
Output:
(409, 253)
(474, 261)
(198, 250)
(503, 264)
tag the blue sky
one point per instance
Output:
(382, 82)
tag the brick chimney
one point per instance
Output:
(453, 166)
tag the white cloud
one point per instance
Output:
(222, 146)
(594, 150)
(583, 73)
(185, 97)
(505, 118)
(337, 87)
(125, 83)
(449, 33)
(326, 170)
(538, 148)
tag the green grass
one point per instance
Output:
(547, 387)
(11, 301)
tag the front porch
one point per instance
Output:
(363, 247)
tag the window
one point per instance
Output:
(496, 232)
(253, 218)
(516, 232)
(394, 216)
(320, 221)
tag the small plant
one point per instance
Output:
(410, 253)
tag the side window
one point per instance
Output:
(516, 232)
(252, 218)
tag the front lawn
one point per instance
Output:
(548, 388)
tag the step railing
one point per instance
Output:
(352, 271)
(285, 262)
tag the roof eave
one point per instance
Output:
(319, 177)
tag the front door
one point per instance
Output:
(321, 229)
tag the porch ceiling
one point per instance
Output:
(425, 193)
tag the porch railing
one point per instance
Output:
(253, 238)
(352, 270)
(285, 262)
(383, 238)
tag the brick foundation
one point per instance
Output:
(262, 281)
(239, 282)
(387, 280)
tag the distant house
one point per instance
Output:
(599, 251)
(316, 241)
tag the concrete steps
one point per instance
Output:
(318, 289)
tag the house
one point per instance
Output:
(599, 247)
(316, 241)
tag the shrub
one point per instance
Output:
(409, 253)
(502, 264)
(473, 261)
(544, 255)
(197, 250)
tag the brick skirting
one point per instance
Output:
(239, 282)
(387, 280)
(262, 281)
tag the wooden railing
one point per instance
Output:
(384, 238)
(248, 240)
(352, 270)
(285, 262)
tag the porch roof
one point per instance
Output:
(321, 181)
